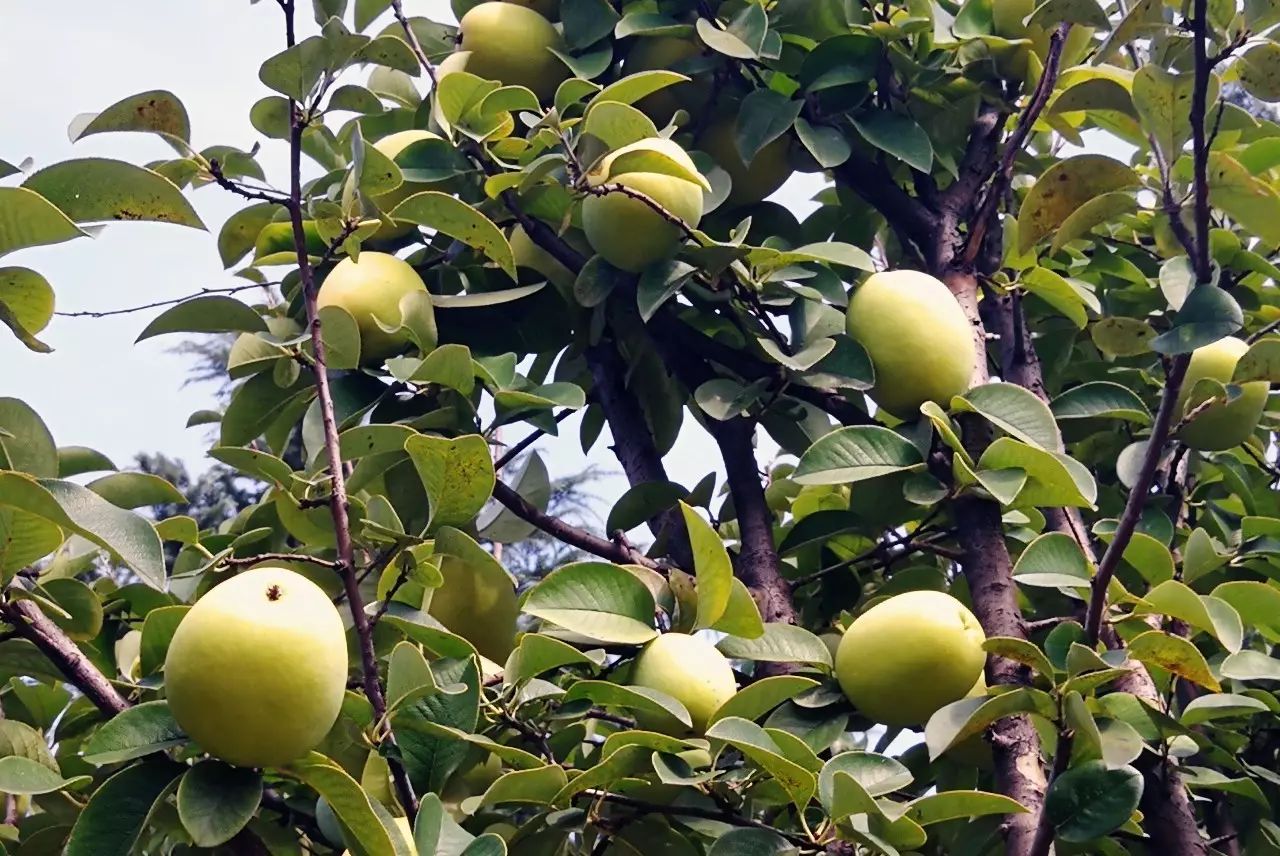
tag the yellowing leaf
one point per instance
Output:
(1063, 189)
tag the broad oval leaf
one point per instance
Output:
(97, 190)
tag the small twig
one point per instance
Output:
(239, 189)
(401, 578)
(397, 9)
(513, 452)
(245, 561)
(1003, 176)
(234, 289)
(613, 187)
(1264, 331)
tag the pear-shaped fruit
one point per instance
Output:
(752, 182)
(688, 669)
(1222, 425)
(910, 655)
(653, 53)
(477, 602)
(919, 341)
(392, 145)
(257, 669)
(369, 289)
(512, 44)
(628, 232)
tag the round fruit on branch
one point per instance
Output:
(1225, 424)
(512, 44)
(370, 289)
(908, 656)
(257, 669)
(920, 344)
(625, 229)
(690, 670)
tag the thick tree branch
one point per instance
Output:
(36, 627)
(339, 503)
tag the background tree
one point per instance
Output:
(1018, 361)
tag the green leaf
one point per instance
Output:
(538, 654)
(432, 753)
(295, 71)
(1013, 409)
(1259, 69)
(953, 805)
(876, 775)
(617, 125)
(1122, 337)
(135, 490)
(633, 87)
(1065, 187)
(457, 474)
(827, 145)
(20, 775)
(1021, 651)
(1100, 400)
(436, 832)
(91, 190)
(1053, 479)
(1208, 314)
(756, 699)
(157, 111)
(780, 643)
(856, 453)
(1174, 654)
(967, 717)
(82, 511)
(118, 811)
(26, 305)
(1163, 102)
(77, 460)
(642, 501)
(137, 732)
(157, 632)
(756, 744)
(212, 313)
(25, 442)
(1091, 800)
(750, 842)
(451, 216)
(1053, 553)
(644, 700)
(897, 135)
(1250, 666)
(1099, 211)
(742, 615)
(1050, 287)
(349, 802)
(531, 787)
(596, 599)
(743, 44)
(1260, 362)
(1258, 603)
(82, 620)
(27, 219)
(713, 569)
(216, 800)
(24, 539)
(763, 116)
(1252, 203)
(1207, 708)
(1176, 600)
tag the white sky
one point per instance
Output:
(98, 388)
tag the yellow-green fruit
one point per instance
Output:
(767, 171)
(257, 669)
(530, 255)
(406, 835)
(478, 603)
(1220, 426)
(627, 231)
(652, 53)
(368, 289)
(909, 655)
(689, 670)
(512, 44)
(919, 341)
(392, 145)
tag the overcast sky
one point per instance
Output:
(98, 388)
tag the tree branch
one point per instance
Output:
(33, 625)
(514, 451)
(568, 533)
(1039, 98)
(339, 504)
(234, 289)
(724, 816)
